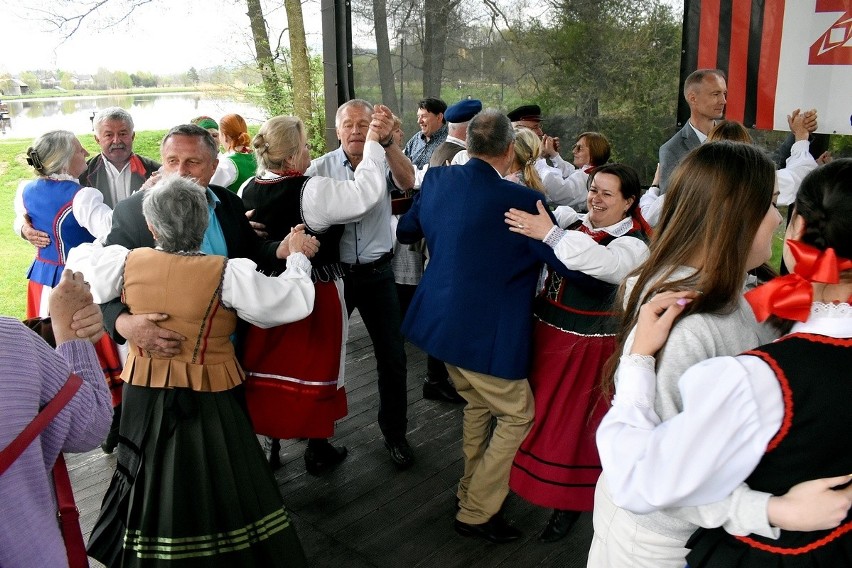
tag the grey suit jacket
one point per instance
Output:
(673, 151)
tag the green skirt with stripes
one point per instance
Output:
(191, 487)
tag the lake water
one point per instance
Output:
(31, 118)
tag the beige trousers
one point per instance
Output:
(487, 462)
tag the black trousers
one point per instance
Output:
(372, 291)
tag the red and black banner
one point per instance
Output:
(749, 41)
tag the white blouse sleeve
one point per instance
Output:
(91, 212)
(565, 168)
(565, 216)
(560, 190)
(327, 201)
(102, 267)
(226, 172)
(732, 407)
(267, 301)
(799, 164)
(651, 205)
(20, 210)
(611, 263)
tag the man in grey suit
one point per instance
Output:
(705, 91)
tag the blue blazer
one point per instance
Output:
(473, 308)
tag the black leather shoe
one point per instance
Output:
(496, 530)
(559, 524)
(400, 453)
(441, 390)
(324, 458)
(274, 454)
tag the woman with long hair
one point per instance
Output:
(557, 465)
(765, 417)
(238, 163)
(527, 152)
(717, 223)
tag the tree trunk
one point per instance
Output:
(380, 19)
(436, 18)
(301, 64)
(273, 93)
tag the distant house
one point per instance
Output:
(17, 87)
(49, 81)
(84, 81)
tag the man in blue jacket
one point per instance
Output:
(473, 310)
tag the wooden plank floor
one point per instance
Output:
(366, 514)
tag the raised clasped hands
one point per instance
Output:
(381, 125)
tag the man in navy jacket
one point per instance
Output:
(473, 310)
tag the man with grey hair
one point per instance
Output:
(473, 310)
(366, 249)
(117, 172)
(189, 151)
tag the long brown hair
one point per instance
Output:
(234, 127)
(717, 199)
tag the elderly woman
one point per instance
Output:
(189, 468)
(527, 152)
(557, 466)
(238, 162)
(308, 394)
(56, 204)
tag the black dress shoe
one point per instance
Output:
(496, 530)
(324, 457)
(441, 390)
(400, 453)
(559, 524)
(274, 454)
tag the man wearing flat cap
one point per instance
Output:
(563, 183)
(457, 117)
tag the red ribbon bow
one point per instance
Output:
(791, 296)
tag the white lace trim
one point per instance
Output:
(617, 230)
(61, 177)
(831, 310)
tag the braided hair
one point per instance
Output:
(824, 202)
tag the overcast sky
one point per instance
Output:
(162, 37)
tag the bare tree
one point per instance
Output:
(300, 61)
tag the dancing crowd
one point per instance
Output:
(625, 352)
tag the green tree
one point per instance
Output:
(192, 76)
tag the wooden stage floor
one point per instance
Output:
(366, 514)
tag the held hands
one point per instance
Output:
(811, 120)
(299, 241)
(656, 319)
(381, 127)
(812, 505)
(71, 302)
(549, 146)
(534, 226)
(797, 123)
(38, 239)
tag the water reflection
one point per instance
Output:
(30, 118)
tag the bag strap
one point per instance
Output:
(69, 516)
(11, 452)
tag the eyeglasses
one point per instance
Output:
(578, 148)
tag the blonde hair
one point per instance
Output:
(277, 142)
(527, 151)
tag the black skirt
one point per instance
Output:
(191, 487)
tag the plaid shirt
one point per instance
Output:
(419, 150)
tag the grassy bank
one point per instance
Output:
(17, 254)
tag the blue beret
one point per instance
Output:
(463, 111)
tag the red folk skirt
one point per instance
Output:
(558, 466)
(292, 372)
